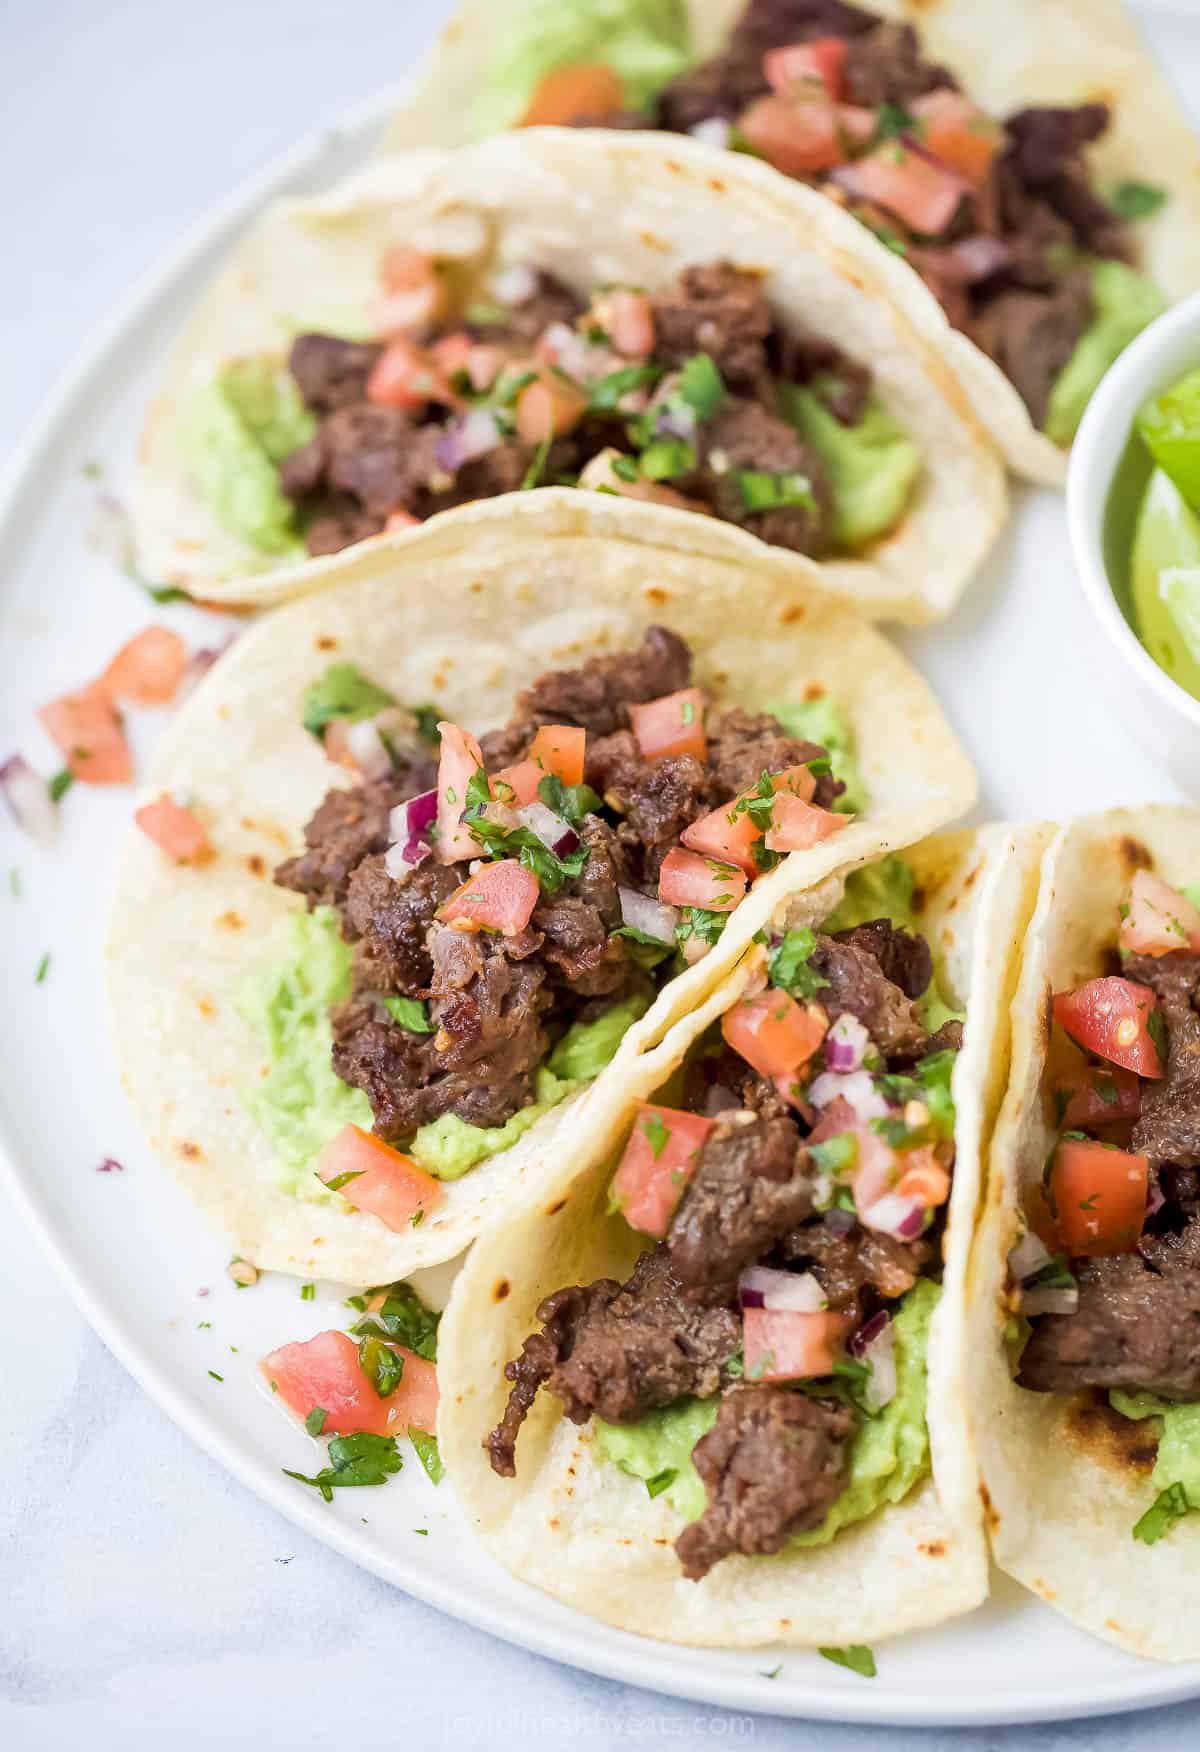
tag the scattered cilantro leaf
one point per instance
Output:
(60, 784)
(533, 473)
(667, 458)
(343, 691)
(771, 492)
(857, 1657)
(410, 1013)
(700, 385)
(607, 391)
(340, 1180)
(405, 1319)
(660, 1481)
(308, 1292)
(383, 1367)
(657, 1133)
(572, 802)
(428, 1453)
(1135, 200)
(698, 921)
(43, 968)
(788, 965)
(1168, 1507)
(314, 1423)
(356, 1460)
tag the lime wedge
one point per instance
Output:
(1165, 579)
(1169, 425)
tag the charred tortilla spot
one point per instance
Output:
(648, 239)
(189, 1151)
(326, 642)
(558, 1205)
(231, 921)
(1043, 1588)
(1133, 855)
(933, 1548)
(657, 595)
(206, 1008)
(989, 1508)
(1119, 1443)
(674, 166)
(714, 182)
(256, 865)
(816, 690)
(501, 1290)
(792, 613)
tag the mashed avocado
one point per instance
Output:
(300, 1104)
(1178, 1458)
(885, 890)
(872, 466)
(239, 426)
(888, 1454)
(449, 1147)
(645, 42)
(821, 721)
(1125, 303)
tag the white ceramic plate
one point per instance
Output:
(1014, 672)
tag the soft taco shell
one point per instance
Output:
(468, 613)
(1065, 1477)
(1006, 56)
(592, 208)
(584, 1531)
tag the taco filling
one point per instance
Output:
(764, 1364)
(1001, 218)
(693, 396)
(489, 917)
(1107, 1278)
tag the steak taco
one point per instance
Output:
(580, 772)
(1086, 1276)
(563, 313)
(1025, 179)
(733, 1328)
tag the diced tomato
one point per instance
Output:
(518, 785)
(857, 125)
(559, 749)
(148, 669)
(797, 825)
(404, 376)
(819, 62)
(628, 319)
(672, 724)
(960, 134)
(460, 760)
(600, 472)
(499, 897)
(1110, 1017)
(87, 728)
(1159, 920)
(659, 1160)
(400, 520)
(791, 1347)
(1099, 1196)
(877, 1168)
(1093, 1096)
(923, 1177)
(176, 830)
(412, 296)
(797, 136)
(549, 407)
(686, 879)
(774, 1033)
(731, 833)
(403, 267)
(924, 196)
(386, 1184)
(482, 365)
(452, 352)
(325, 1374)
(568, 92)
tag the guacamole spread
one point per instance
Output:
(1178, 1458)
(1124, 303)
(872, 465)
(237, 430)
(822, 721)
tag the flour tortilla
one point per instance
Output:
(466, 614)
(1006, 56)
(589, 1534)
(1063, 1496)
(592, 208)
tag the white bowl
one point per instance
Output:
(1161, 714)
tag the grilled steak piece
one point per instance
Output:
(858, 985)
(904, 957)
(751, 1185)
(331, 373)
(348, 826)
(1169, 1127)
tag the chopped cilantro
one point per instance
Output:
(60, 784)
(43, 968)
(660, 1481)
(417, 1217)
(215, 1376)
(482, 315)
(835, 1155)
(427, 1453)
(340, 1180)
(383, 1367)
(506, 389)
(361, 1459)
(1168, 1507)
(343, 691)
(405, 1319)
(308, 1292)
(1056, 1274)
(428, 718)
(698, 921)
(606, 392)
(788, 964)
(770, 1672)
(625, 468)
(666, 458)
(658, 1134)
(771, 492)
(572, 802)
(314, 1423)
(410, 1013)
(892, 119)
(533, 473)
(1156, 1028)
(1135, 200)
(700, 386)
(551, 868)
(857, 1657)
(647, 951)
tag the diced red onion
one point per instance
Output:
(1049, 1301)
(500, 815)
(902, 1218)
(369, 742)
(838, 1221)
(474, 434)
(712, 131)
(868, 1331)
(857, 1089)
(977, 258)
(1027, 1258)
(550, 828)
(846, 1043)
(653, 917)
(408, 824)
(695, 949)
(781, 1292)
(367, 749)
(1154, 1197)
(110, 1165)
(879, 1353)
(515, 284)
(33, 808)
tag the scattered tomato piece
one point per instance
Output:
(628, 319)
(148, 669)
(659, 1160)
(549, 407)
(671, 724)
(796, 135)
(386, 1184)
(687, 879)
(923, 1177)
(797, 825)
(1099, 1196)
(960, 134)
(1111, 1018)
(791, 1347)
(176, 830)
(774, 1033)
(87, 728)
(923, 195)
(324, 1374)
(405, 376)
(1159, 919)
(568, 92)
(559, 749)
(731, 832)
(499, 897)
(817, 63)
(1098, 1095)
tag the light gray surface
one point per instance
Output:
(145, 1598)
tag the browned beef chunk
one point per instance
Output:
(1137, 1325)
(745, 436)
(720, 88)
(392, 919)
(745, 745)
(720, 310)
(904, 956)
(846, 1265)
(340, 526)
(396, 1069)
(772, 24)
(664, 799)
(845, 383)
(949, 1038)
(378, 455)
(1031, 335)
(617, 1351)
(504, 470)
(886, 65)
(331, 373)
(303, 471)
(751, 1184)
(773, 1463)
(595, 696)
(623, 119)
(1046, 155)
(577, 923)
(551, 301)
(1169, 1127)
(347, 826)
(857, 984)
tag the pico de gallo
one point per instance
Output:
(488, 916)
(764, 1364)
(1106, 1277)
